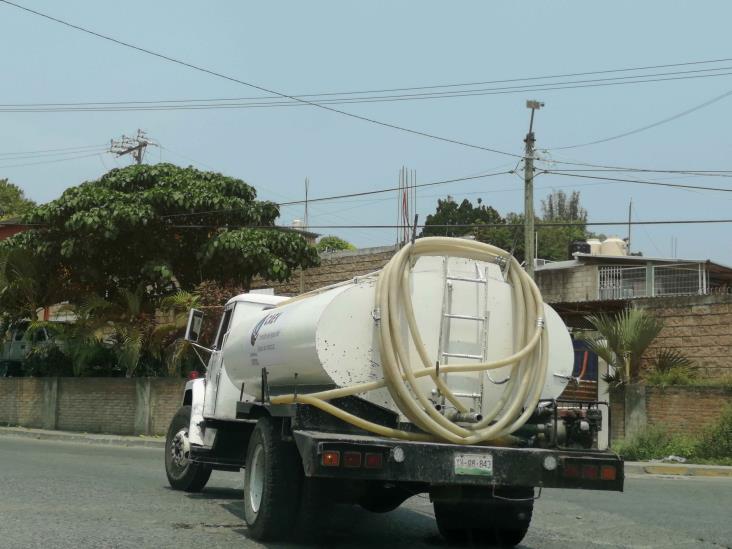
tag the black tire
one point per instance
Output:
(182, 473)
(498, 522)
(272, 480)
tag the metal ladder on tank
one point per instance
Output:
(482, 318)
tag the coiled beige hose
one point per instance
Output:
(528, 363)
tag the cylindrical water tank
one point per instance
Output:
(614, 245)
(331, 339)
(595, 245)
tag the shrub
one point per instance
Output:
(656, 443)
(671, 367)
(716, 441)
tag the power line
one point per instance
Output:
(233, 103)
(640, 181)
(50, 161)
(470, 225)
(252, 85)
(226, 102)
(46, 152)
(649, 126)
(351, 195)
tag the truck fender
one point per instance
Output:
(194, 396)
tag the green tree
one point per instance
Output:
(457, 220)
(166, 226)
(13, 202)
(333, 244)
(553, 242)
(621, 341)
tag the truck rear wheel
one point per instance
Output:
(497, 522)
(183, 474)
(272, 480)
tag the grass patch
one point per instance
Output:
(711, 446)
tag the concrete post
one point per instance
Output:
(49, 406)
(143, 417)
(635, 409)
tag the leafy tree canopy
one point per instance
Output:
(333, 244)
(163, 225)
(13, 201)
(450, 219)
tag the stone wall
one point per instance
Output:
(578, 283)
(698, 326)
(334, 267)
(97, 405)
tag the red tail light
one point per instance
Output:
(331, 458)
(374, 461)
(193, 374)
(352, 459)
(608, 472)
(590, 472)
(571, 470)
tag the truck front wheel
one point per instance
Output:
(496, 522)
(183, 474)
(271, 482)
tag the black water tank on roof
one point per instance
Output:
(579, 246)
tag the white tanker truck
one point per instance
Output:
(439, 374)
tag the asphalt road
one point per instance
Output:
(62, 495)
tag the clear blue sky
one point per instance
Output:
(306, 47)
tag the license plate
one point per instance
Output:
(474, 464)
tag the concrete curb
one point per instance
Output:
(676, 469)
(88, 438)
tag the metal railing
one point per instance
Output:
(623, 282)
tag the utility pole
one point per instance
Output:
(529, 248)
(134, 146)
(302, 271)
(630, 221)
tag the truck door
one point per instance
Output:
(213, 374)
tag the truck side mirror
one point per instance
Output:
(193, 329)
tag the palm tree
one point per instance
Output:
(621, 341)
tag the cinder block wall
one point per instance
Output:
(96, 405)
(334, 268)
(698, 326)
(568, 285)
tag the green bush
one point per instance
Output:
(714, 444)
(671, 367)
(716, 441)
(656, 443)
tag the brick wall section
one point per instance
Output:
(698, 326)
(686, 410)
(166, 396)
(568, 285)
(97, 405)
(335, 267)
(20, 401)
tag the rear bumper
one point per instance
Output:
(433, 464)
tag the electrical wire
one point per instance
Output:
(60, 150)
(648, 126)
(350, 195)
(255, 86)
(412, 88)
(639, 181)
(261, 101)
(467, 225)
(49, 161)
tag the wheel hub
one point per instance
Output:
(180, 448)
(256, 479)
